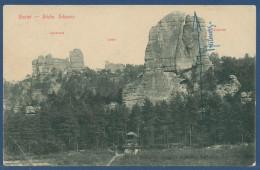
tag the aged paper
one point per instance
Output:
(129, 85)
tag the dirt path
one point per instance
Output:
(114, 158)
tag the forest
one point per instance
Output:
(79, 116)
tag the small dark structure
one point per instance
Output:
(130, 146)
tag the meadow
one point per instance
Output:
(218, 155)
(80, 158)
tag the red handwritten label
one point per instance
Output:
(62, 33)
(111, 39)
(219, 29)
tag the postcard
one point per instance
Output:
(129, 85)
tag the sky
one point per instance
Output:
(118, 34)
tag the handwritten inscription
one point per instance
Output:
(211, 46)
(198, 33)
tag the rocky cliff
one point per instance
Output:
(172, 55)
(43, 65)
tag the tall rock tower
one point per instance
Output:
(76, 59)
(171, 55)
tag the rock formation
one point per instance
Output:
(246, 97)
(76, 60)
(171, 55)
(114, 67)
(231, 87)
(43, 65)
